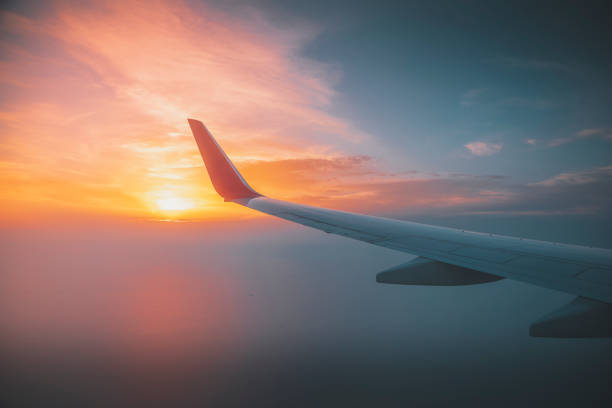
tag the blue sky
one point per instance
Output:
(519, 90)
(425, 80)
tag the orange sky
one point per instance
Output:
(97, 96)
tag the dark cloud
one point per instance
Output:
(581, 192)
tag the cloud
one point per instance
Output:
(585, 192)
(479, 148)
(571, 193)
(358, 184)
(301, 179)
(589, 132)
(584, 134)
(576, 178)
(581, 135)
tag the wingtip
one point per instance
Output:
(195, 122)
(228, 182)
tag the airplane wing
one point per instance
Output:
(448, 256)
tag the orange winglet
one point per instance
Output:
(225, 178)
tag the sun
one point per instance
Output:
(174, 204)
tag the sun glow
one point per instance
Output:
(175, 204)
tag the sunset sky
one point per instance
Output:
(482, 115)
(369, 110)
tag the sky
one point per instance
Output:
(400, 109)
(125, 277)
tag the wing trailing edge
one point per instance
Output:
(581, 318)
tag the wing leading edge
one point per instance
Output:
(578, 270)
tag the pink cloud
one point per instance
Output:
(584, 134)
(577, 177)
(479, 148)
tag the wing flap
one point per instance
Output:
(422, 271)
(578, 319)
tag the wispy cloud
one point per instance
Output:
(350, 179)
(480, 148)
(579, 177)
(579, 192)
(584, 134)
(96, 95)
(592, 132)
(581, 135)
(571, 193)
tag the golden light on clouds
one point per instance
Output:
(97, 96)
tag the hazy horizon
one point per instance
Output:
(269, 313)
